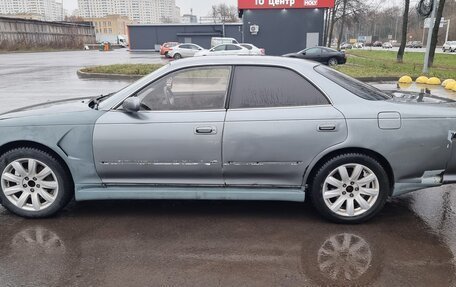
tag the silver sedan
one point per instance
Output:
(230, 128)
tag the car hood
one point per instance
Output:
(289, 54)
(49, 108)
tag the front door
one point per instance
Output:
(176, 137)
(277, 122)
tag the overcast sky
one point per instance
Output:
(200, 7)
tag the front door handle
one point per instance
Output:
(205, 130)
(327, 127)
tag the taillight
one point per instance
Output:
(262, 51)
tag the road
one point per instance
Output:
(189, 243)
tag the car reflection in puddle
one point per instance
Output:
(190, 243)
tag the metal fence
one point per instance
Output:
(18, 34)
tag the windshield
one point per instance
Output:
(354, 86)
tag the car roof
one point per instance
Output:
(244, 60)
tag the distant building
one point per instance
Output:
(189, 19)
(139, 11)
(48, 10)
(110, 25)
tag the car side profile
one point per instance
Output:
(224, 50)
(322, 55)
(230, 128)
(449, 46)
(184, 51)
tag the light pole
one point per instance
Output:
(428, 44)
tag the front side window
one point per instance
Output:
(201, 88)
(263, 87)
(219, 48)
(313, 51)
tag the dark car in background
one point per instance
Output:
(322, 55)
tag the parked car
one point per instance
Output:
(215, 41)
(175, 135)
(387, 45)
(224, 50)
(377, 44)
(358, 45)
(346, 46)
(416, 44)
(449, 46)
(323, 55)
(253, 49)
(166, 47)
(184, 51)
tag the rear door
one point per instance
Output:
(277, 122)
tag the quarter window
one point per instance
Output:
(262, 87)
(189, 89)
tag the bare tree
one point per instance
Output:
(225, 13)
(344, 14)
(400, 53)
(435, 31)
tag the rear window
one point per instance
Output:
(354, 86)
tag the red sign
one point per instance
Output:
(284, 4)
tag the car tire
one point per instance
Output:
(333, 62)
(177, 56)
(349, 188)
(33, 183)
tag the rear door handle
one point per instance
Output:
(327, 127)
(205, 130)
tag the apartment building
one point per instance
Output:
(46, 10)
(139, 11)
(110, 25)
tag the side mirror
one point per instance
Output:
(303, 53)
(132, 105)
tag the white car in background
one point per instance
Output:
(215, 41)
(253, 49)
(224, 50)
(449, 46)
(387, 45)
(184, 51)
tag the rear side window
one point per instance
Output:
(354, 86)
(233, 47)
(263, 87)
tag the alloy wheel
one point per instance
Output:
(29, 184)
(351, 190)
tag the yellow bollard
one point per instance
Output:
(422, 80)
(405, 80)
(450, 85)
(433, 81)
(444, 83)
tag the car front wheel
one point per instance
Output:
(350, 188)
(34, 184)
(177, 56)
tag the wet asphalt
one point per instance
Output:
(412, 242)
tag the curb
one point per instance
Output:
(85, 75)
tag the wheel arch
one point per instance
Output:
(377, 156)
(31, 144)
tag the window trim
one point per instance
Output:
(231, 67)
(330, 103)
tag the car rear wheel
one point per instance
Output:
(33, 183)
(333, 62)
(177, 56)
(350, 188)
